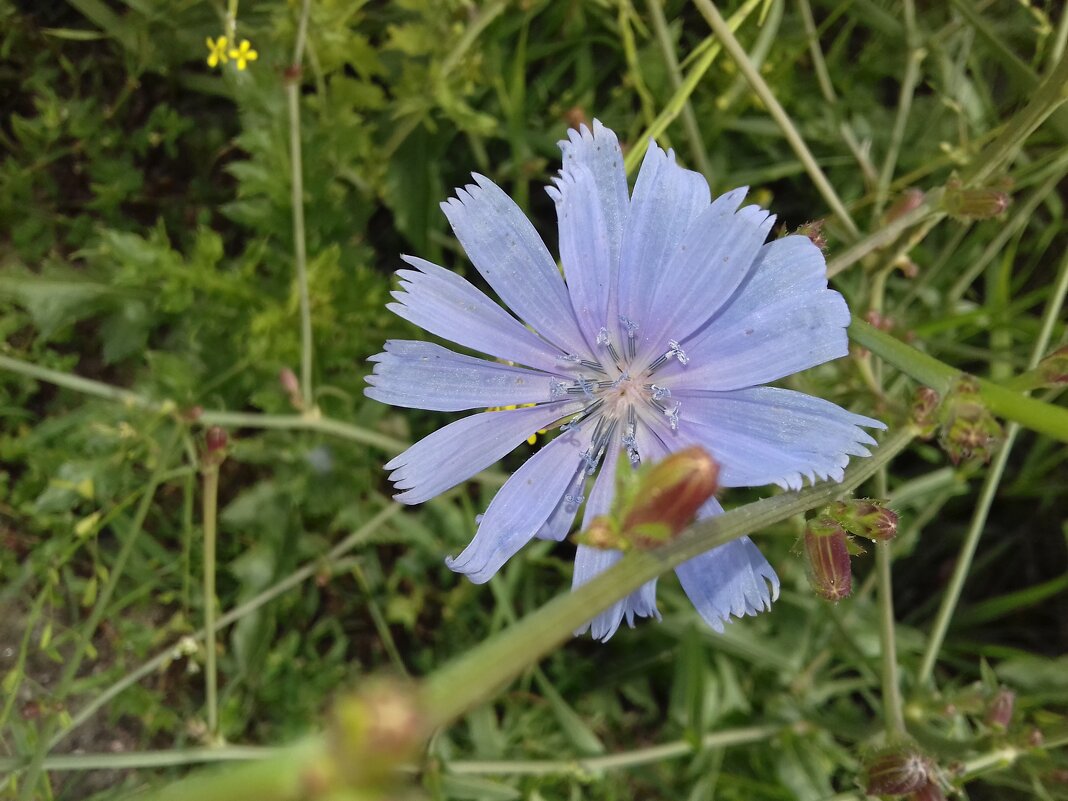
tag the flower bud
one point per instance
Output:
(925, 411)
(814, 231)
(288, 379)
(1054, 368)
(667, 497)
(376, 729)
(865, 518)
(909, 200)
(896, 771)
(826, 550)
(929, 792)
(979, 203)
(215, 439)
(969, 432)
(999, 713)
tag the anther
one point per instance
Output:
(675, 351)
(659, 393)
(656, 364)
(630, 326)
(673, 417)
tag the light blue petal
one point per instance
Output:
(507, 251)
(459, 450)
(591, 206)
(560, 521)
(714, 258)
(766, 435)
(599, 152)
(589, 563)
(422, 375)
(584, 249)
(447, 305)
(781, 320)
(666, 201)
(731, 580)
(521, 507)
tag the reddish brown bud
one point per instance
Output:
(925, 411)
(814, 231)
(897, 771)
(932, 791)
(999, 713)
(667, 497)
(907, 201)
(865, 518)
(826, 550)
(1054, 368)
(979, 203)
(215, 439)
(288, 379)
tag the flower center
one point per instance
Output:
(615, 398)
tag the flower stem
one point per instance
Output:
(989, 490)
(893, 711)
(297, 184)
(310, 421)
(1044, 418)
(210, 517)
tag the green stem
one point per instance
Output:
(1044, 418)
(309, 421)
(1045, 99)
(893, 709)
(297, 185)
(232, 753)
(476, 676)
(778, 113)
(620, 761)
(989, 490)
(210, 511)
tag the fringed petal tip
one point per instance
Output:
(731, 581)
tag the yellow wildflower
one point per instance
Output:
(533, 438)
(244, 54)
(217, 53)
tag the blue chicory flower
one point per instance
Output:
(670, 315)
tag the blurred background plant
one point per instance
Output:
(147, 242)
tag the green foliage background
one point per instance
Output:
(146, 242)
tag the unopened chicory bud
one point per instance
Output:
(656, 502)
(866, 518)
(969, 431)
(897, 771)
(827, 561)
(925, 411)
(999, 713)
(931, 791)
(974, 203)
